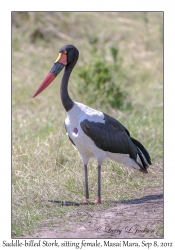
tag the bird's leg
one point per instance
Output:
(86, 185)
(98, 200)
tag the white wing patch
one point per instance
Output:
(124, 159)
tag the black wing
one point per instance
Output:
(110, 138)
(113, 137)
(143, 149)
(111, 121)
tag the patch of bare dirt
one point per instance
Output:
(141, 217)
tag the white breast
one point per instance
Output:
(84, 144)
(77, 114)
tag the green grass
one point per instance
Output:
(45, 165)
(160, 229)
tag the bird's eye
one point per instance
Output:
(65, 52)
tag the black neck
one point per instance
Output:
(65, 98)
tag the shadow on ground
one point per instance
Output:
(144, 199)
(141, 217)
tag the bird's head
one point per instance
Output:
(68, 55)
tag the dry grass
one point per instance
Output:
(45, 165)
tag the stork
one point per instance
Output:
(94, 133)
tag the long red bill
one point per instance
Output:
(55, 70)
(49, 78)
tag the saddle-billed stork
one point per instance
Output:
(95, 134)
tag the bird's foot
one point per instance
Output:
(97, 201)
(86, 200)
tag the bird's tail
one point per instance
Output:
(144, 158)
